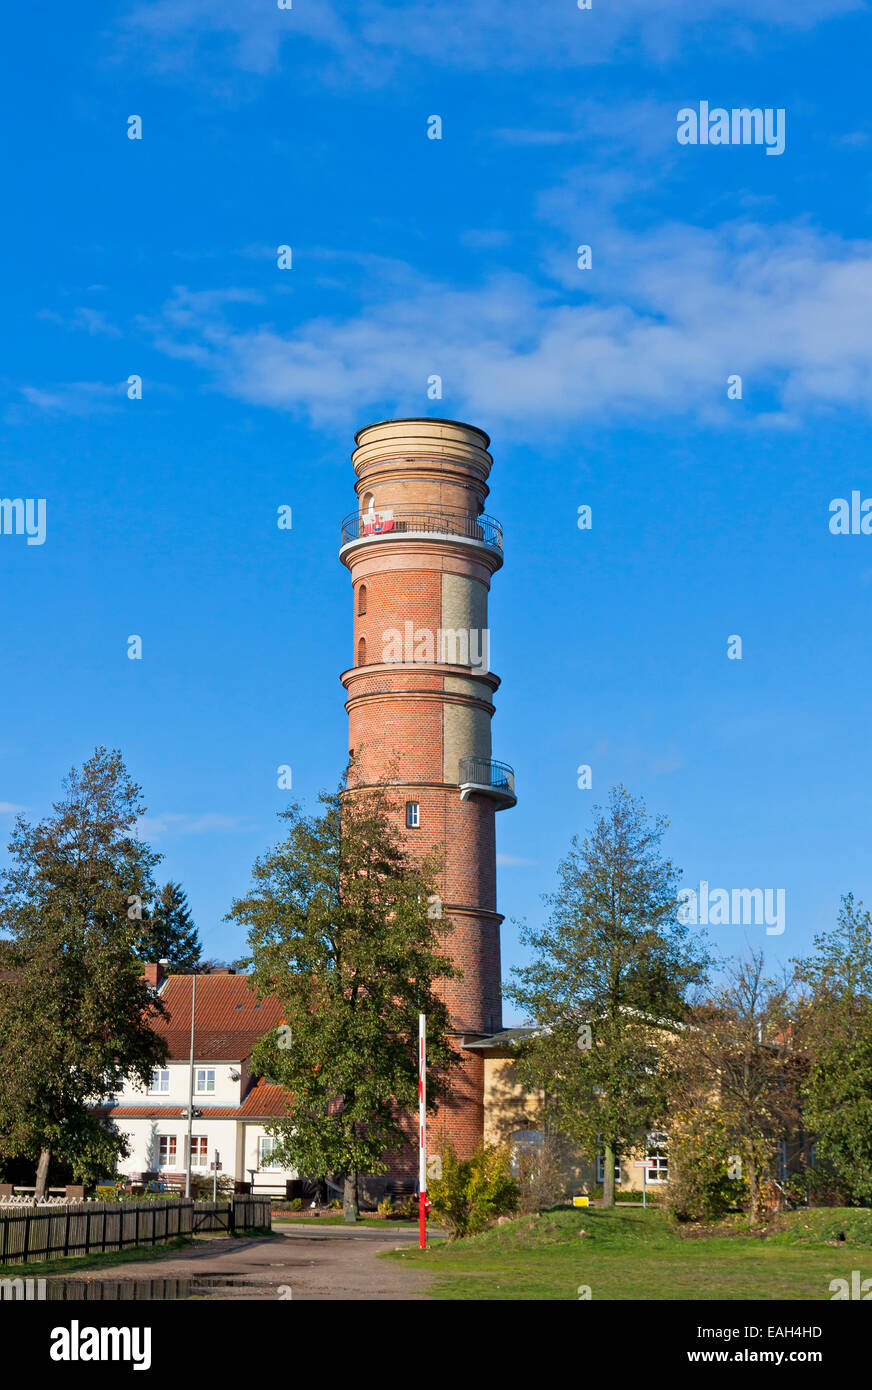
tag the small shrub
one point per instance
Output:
(385, 1207)
(407, 1209)
(540, 1177)
(473, 1192)
(700, 1186)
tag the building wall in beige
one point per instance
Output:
(464, 602)
(509, 1109)
(466, 734)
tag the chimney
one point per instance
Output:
(154, 974)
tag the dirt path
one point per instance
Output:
(325, 1264)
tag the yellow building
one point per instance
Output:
(515, 1115)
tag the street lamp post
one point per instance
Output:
(191, 1087)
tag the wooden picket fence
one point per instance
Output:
(84, 1228)
(240, 1214)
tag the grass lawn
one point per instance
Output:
(634, 1254)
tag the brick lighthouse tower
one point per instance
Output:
(421, 552)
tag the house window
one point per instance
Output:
(656, 1157)
(166, 1151)
(160, 1081)
(413, 815)
(205, 1081)
(601, 1172)
(527, 1149)
(361, 652)
(199, 1151)
(266, 1147)
(361, 601)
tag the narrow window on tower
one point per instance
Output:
(361, 652)
(413, 815)
(361, 601)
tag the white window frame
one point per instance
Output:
(161, 1090)
(199, 1150)
(656, 1168)
(169, 1142)
(263, 1164)
(413, 815)
(601, 1169)
(206, 1089)
(656, 1158)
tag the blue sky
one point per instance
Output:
(411, 257)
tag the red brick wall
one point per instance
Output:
(396, 723)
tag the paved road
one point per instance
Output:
(320, 1264)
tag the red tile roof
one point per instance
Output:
(264, 1101)
(229, 1017)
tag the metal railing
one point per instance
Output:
(447, 521)
(484, 772)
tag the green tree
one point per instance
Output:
(733, 1078)
(341, 930)
(612, 967)
(75, 1014)
(168, 931)
(835, 1032)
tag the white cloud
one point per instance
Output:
(93, 321)
(513, 860)
(75, 397)
(9, 808)
(172, 822)
(373, 41)
(654, 330)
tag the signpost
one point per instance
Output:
(643, 1164)
(422, 1131)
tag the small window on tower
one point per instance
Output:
(361, 652)
(361, 601)
(413, 815)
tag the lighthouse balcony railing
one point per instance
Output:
(404, 521)
(487, 778)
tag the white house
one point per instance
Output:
(231, 1105)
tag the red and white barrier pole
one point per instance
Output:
(422, 1131)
